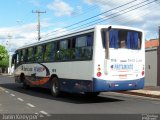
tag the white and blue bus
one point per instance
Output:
(100, 59)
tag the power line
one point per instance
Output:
(123, 21)
(94, 16)
(117, 14)
(113, 15)
(86, 11)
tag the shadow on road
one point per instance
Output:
(65, 97)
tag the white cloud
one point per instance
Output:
(15, 37)
(61, 8)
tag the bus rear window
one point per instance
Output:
(119, 38)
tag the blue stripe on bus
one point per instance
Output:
(99, 85)
(108, 85)
(75, 86)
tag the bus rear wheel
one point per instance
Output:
(55, 90)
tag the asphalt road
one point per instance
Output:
(15, 99)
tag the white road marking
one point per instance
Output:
(45, 113)
(30, 105)
(2, 88)
(12, 95)
(6, 91)
(20, 99)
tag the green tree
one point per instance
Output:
(4, 57)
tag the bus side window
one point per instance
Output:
(47, 52)
(26, 55)
(20, 56)
(23, 57)
(84, 47)
(89, 48)
(64, 52)
(38, 54)
(18, 59)
(30, 54)
(54, 51)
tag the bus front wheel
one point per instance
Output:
(55, 90)
(24, 83)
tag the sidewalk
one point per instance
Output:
(148, 91)
(6, 74)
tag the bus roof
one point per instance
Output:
(77, 33)
(59, 37)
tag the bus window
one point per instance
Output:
(48, 53)
(84, 47)
(119, 38)
(18, 60)
(81, 41)
(63, 53)
(38, 53)
(23, 56)
(30, 55)
(63, 44)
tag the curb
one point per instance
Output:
(147, 94)
(6, 75)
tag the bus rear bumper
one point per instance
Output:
(100, 85)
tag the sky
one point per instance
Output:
(18, 20)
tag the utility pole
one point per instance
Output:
(38, 27)
(9, 52)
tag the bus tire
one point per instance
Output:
(92, 94)
(23, 80)
(55, 89)
(25, 86)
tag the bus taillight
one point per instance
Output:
(99, 74)
(99, 71)
(143, 71)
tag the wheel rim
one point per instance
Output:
(54, 88)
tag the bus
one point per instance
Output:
(99, 59)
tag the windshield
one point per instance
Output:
(120, 38)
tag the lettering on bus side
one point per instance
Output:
(27, 69)
(53, 70)
(134, 60)
(39, 69)
(122, 67)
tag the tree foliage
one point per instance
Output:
(4, 57)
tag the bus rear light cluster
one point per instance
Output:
(99, 71)
(142, 71)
